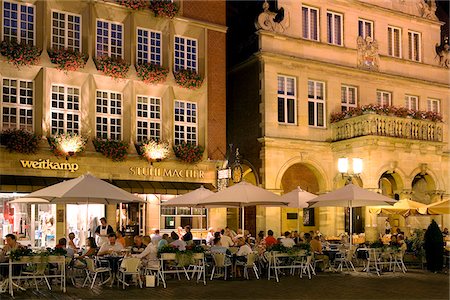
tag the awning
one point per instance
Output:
(28, 184)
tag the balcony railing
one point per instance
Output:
(390, 126)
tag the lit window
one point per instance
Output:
(17, 104)
(310, 23)
(108, 123)
(394, 42)
(412, 102)
(109, 39)
(185, 53)
(148, 118)
(349, 96)
(185, 117)
(66, 31)
(148, 47)
(434, 105)
(174, 217)
(316, 103)
(18, 22)
(365, 28)
(286, 100)
(65, 109)
(384, 98)
(414, 41)
(334, 28)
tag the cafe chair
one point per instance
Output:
(250, 263)
(38, 271)
(198, 266)
(130, 266)
(220, 263)
(344, 257)
(154, 266)
(92, 271)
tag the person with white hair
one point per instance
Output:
(210, 237)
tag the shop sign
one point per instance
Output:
(163, 172)
(48, 165)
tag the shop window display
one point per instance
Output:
(83, 219)
(174, 217)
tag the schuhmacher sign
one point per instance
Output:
(46, 164)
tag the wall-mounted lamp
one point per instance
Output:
(343, 167)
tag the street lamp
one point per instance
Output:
(343, 167)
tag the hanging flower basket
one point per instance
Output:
(117, 68)
(154, 150)
(116, 150)
(66, 144)
(20, 54)
(67, 60)
(20, 140)
(133, 4)
(151, 73)
(188, 152)
(163, 8)
(188, 79)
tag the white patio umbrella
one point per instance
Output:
(350, 196)
(298, 198)
(241, 195)
(27, 200)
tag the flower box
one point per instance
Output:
(20, 140)
(116, 150)
(20, 54)
(133, 4)
(117, 68)
(67, 60)
(188, 79)
(66, 144)
(151, 73)
(153, 150)
(163, 8)
(188, 152)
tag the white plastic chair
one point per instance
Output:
(198, 266)
(249, 264)
(220, 263)
(154, 266)
(93, 271)
(130, 266)
(344, 257)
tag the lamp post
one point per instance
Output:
(343, 167)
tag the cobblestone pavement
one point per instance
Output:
(415, 284)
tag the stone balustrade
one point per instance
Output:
(390, 126)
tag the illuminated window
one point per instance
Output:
(185, 53)
(148, 118)
(185, 122)
(66, 31)
(65, 109)
(17, 104)
(148, 47)
(109, 39)
(18, 22)
(316, 103)
(286, 100)
(108, 123)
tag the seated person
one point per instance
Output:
(270, 240)
(155, 237)
(316, 247)
(149, 256)
(146, 240)
(401, 243)
(120, 238)
(225, 240)
(62, 244)
(138, 245)
(11, 245)
(244, 248)
(286, 241)
(187, 237)
(164, 241)
(393, 241)
(112, 247)
(177, 243)
(73, 243)
(91, 248)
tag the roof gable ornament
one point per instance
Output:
(368, 57)
(443, 53)
(273, 21)
(427, 9)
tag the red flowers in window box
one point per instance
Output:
(163, 8)
(151, 73)
(20, 54)
(20, 140)
(67, 60)
(189, 153)
(117, 68)
(133, 4)
(116, 150)
(188, 79)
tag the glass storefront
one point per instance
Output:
(174, 217)
(83, 219)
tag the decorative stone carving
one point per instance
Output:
(272, 21)
(368, 57)
(442, 52)
(428, 9)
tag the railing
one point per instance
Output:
(390, 126)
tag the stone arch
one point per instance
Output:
(397, 174)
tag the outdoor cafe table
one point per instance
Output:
(114, 262)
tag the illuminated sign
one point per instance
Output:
(163, 172)
(48, 165)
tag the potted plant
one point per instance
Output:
(22, 54)
(117, 68)
(116, 150)
(188, 79)
(151, 73)
(163, 8)
(67, 59)
(189, 153)
(133, 4)
(20, 140)
(66, 144)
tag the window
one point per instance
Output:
(434, 105)
(384, 98)
(316, 103)
(365, 28)
(334, 28)
(66, 31)
(412, 102)
(148, 47)
(65, 109)
(394, 42)
(185, 122)
(185, 53)
(414, 41)
(286, 100)
(310, 23)
(349, 94)
(108, 115)
(109, 39)
(18, 22)
(148, 118)
(174, 217)
(17, 104)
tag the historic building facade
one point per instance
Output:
(316, 81)
(90, 102)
